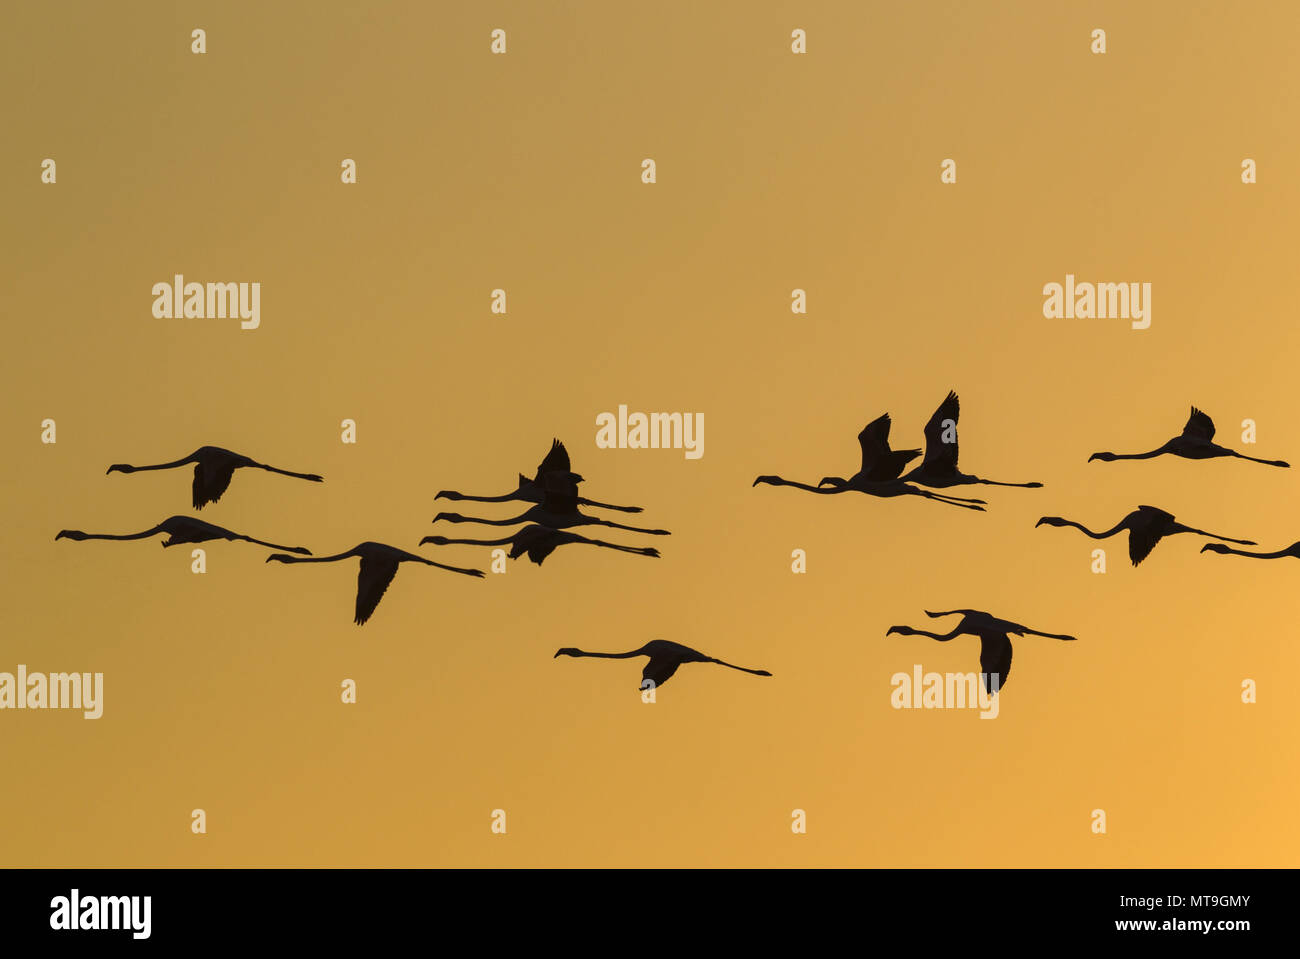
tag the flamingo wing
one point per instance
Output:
(1199, 426)
(1148, 526)
(539, 550)
(537, 541)
(556, 460)
(561, 496)
(995, 660)
(874, 440)
(659, 670)
(211, 479)
(372, 582)
(938, 452)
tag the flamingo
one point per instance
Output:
(539, 542)
(665, 657)
(557, 510)
(879, 474)
(995, 641)
(213, 468)
(939, 467)
(1146, 526)
(533, 490)
(378, 567)
(1292, 550)
(1195, 442)
(181, 529)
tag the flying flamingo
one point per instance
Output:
(939, 467)
(539, 542)
(557, 510)
(995, 641)
(1292, 550)
(665, 657)
(878, 476)
(213, 468)
(378, 567)
(533, 490)
(1195, 442)
(181, 529)
(1146, 526)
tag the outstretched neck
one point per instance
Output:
(79, 535)
(583, 652)
(444, 541)
(1087, 532)
(1241, 552)
(283, 558)
(941, 637)
(780, 481)
(128, 468)
(1106, 457)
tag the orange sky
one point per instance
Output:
(522, 172)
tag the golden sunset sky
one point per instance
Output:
(522, 171)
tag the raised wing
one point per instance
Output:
(874, 440)
(938, 452)
(556, 460)
(1199, 426)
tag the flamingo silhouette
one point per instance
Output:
(1292, 550)
(1195, 442)
(939, 467)
(878, 476)
(665, 657)
(1146, 526)
(213, 469)
(539, 542)
(533, 490)
(557, 510)
(181, 529)
(995, 641)
(378, 567)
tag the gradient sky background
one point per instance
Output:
(522, 171)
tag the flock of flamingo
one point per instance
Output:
(553, 492)
(883, 474)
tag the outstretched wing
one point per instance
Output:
(995, 661)
(372, 582)
(874, 440)
(555, 461)
(937, 452)
(211, 481)
(1199, 426)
